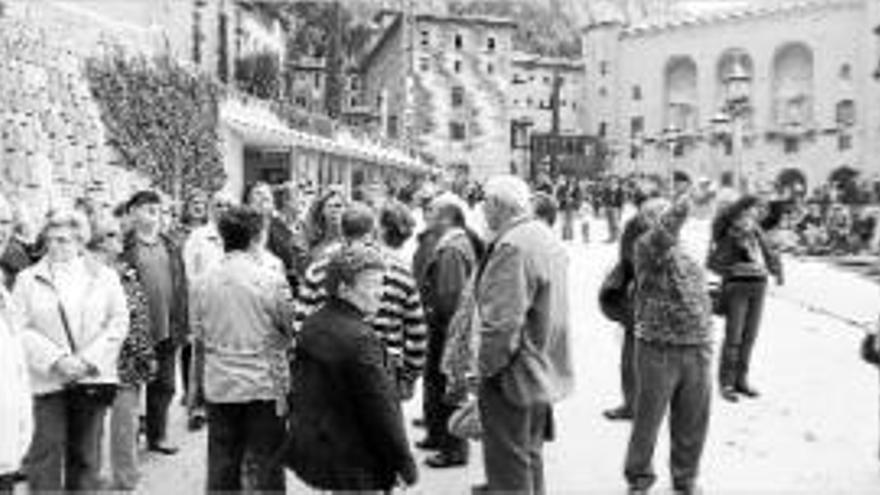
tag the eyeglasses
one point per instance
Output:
(58, 240)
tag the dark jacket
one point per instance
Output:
(346, 427)
(730, 256)
(427, 242)
(179, 310)
(291, 248)
(15, 258)
(446, 275)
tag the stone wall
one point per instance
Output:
(53, 141)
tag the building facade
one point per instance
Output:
(530, 102)
(751, 90)
(441, 83)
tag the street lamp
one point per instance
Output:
(737, 87)
(671, 136)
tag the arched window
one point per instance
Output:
(682, 95)
(845, 114)
(732, 61)
(793, 85)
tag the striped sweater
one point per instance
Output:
(400, 321)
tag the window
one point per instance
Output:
(529, 102)
(354, 84)
(574, 105)
(845, 113)
(844, 142)
(490, 69)
(424, 64)
(456, 66)
(791, 145)
(678, 149)
(603, 68)
(519, 134)
(637, 93)
(490, 43)
(457, 96)
(392, 126)
(300, 101)
(603, 129)
(457, 131)
(516, 103)
(547, 80)
(426, 38)
(518, 79)
(635, 152)
(317, 80)
(458, 41)
(636, 126)
(846, 72)
(603, 92)
(352, 102)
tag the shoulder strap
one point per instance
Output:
(66, 324)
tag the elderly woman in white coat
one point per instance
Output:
(16, 414)
(74, 319)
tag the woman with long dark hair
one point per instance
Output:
(742, 257)
(324, 221)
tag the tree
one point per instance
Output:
(162, 119)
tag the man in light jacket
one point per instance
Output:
(524, 354)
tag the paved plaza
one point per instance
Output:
(815, 430)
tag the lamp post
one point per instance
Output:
(737, 86)
(671, 135)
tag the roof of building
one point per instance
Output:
(492, 21)
(536, 60)
(723, 13)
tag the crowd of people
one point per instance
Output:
(298, 326)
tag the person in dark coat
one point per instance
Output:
(158, 260)
(742, 257)
(634, 228)
(448, 270)
(346, 429)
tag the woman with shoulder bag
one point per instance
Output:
(74, 319)
(743, 259)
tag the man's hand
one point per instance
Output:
(409, 474)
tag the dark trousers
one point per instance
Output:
(513, 442)
(612, 214)
(744, 301)
(567, 224)
(243, 439)
(628, 367)
(186, 354)
(65, 452)
(677, 378)
(160, 392)
(437, 410)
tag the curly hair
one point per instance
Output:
(728, 216)
(316, 223)
(349, 262)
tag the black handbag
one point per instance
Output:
(869, 349)
(102, 394)
(716, 294)
(614, 295)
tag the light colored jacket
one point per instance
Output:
(243, 312)
(16, 405)
(522, 299)
(97, 327)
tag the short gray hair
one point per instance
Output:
(71, 218)
(511, 191)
